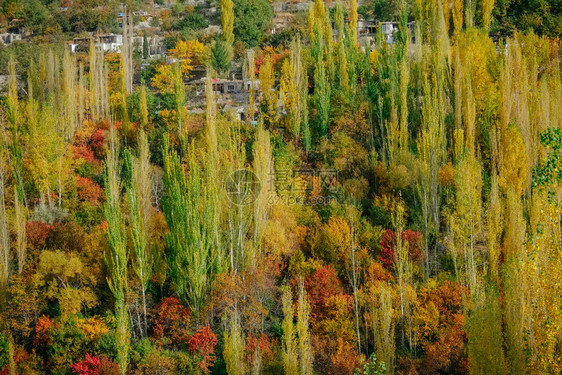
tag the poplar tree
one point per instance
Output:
(303, 331)
(485, 339)
(263, 169)
(487, 8)
(383, 326)
(20, 219)
(124, 92)
(190, 220)
(4, 232)
(294, 90)
(240, 211)
(329, 48)
(214, 172)
(234, 347)
(343, 73)
(513, 182)
(93, 101)
(227, 20)
(353, 20)
(69, 90)
(431, 143)
(13, 113)
(457, 15)
(353, 219)
(139, 196)
(252, 79)
(404, 132)
(81, 95)
(181, 109)
(404, 272)
(494, 228)
(467, 218)
(117, 259)
(51, 75)
(127, 50)
(41, 79)
(322, 91)
(143, 107)
(469, 14)
(290, 354)
(403, 42)
(269, 96)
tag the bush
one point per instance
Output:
(4, 350)
(49, 215)
(68, 344)
(93, 365)
(107, 345)
(193, 21)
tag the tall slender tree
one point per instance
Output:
(4, 232)
(190, 219)
(303, 332)
(234, 347)
(118, 257)
(139, 194)
(290, 354)
(227, 20)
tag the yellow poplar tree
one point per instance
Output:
(227, 20)
(290, 354)
(353, 20)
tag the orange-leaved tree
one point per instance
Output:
(186, 53)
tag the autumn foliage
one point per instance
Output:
(320, 286)
(203, 342)
(388, 246)
(93, 365)
(171, 322)
(37, 232)
(324, 198)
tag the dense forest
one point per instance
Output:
(375, 209)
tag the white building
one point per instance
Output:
(9, 38)
(107, 43)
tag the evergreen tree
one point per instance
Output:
(221, 56)
(145, 46)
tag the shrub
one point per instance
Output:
(93, 365)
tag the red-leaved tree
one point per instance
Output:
(88, 190)
(320, 286)
(171, 321)
(388, 246)
(37, 232)
(203, 342)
